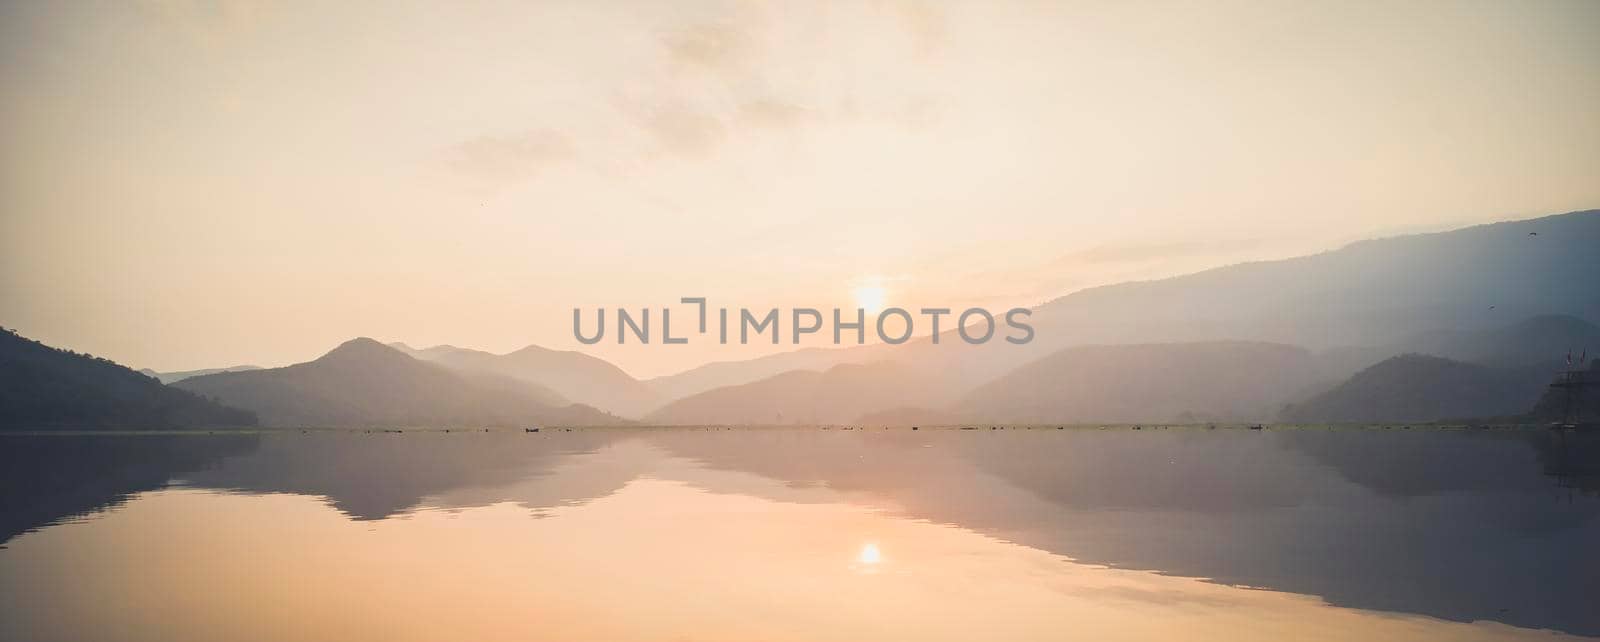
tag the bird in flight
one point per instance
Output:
(1533, 233)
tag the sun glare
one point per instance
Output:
(869, 554)
(869, 297)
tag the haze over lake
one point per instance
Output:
(802, 533)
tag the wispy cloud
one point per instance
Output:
(774, 113)
(748, 72)
(683, 129)
(715, 45)
(512, 157)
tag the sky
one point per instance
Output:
(203, 184)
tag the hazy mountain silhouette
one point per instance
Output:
(1449, 293)
(1540, 341)
(1182, 382)
(838, 395)
(1368, 293)
(1579, 404)
(173, 377)
(1379, 295)
(718, 374)
(44, 388)
(574, 375)
(1422, 388)
(1487, 374)
(365, 383)
(1204, 382)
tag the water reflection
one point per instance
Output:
(44, 480)
(1463, 525)
(1468, 526)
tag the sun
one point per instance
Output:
(869, 297)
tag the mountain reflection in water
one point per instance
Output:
(1490, 526)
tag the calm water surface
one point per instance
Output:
(802, 534)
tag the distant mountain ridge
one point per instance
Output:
(48, 388)
(1177, 382)
(365, 383)
(1373, 293)
(1497, 304)
(1498, 373)
(1576, 404)
(1188, 382)
(1455, 294)
(1367, 293)
(717, 374)
(1423, 388)
(1544, 340)
(576, 376)
(180, 375)
(839, 395)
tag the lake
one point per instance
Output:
(803, 534)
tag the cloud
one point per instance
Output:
(755, 70)
(684, 130)
(776, 67)
(711, 45)
(925, 23)
(507, 158)
(773, 113)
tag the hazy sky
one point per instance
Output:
(192, 184)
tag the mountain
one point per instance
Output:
(1579, 403)
(1422, 388)
(47, 388)
(1367, 293)
(173, 377)
(837, 395)
(1454, 292)
(1544, 340)
(365, 383)
(574, 375)
(1182, 382)
(1491, 373)
(1371, 293)
(728, 373)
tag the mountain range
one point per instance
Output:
(1352, 307)
(366, 383)
(1505, 296)
(1423, 388)
(1498, 373)
(573, 375)
(44, 388)
(1488, 312)
(1179, 382)
(180, 375)
(1572, 404)
(838, 395)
